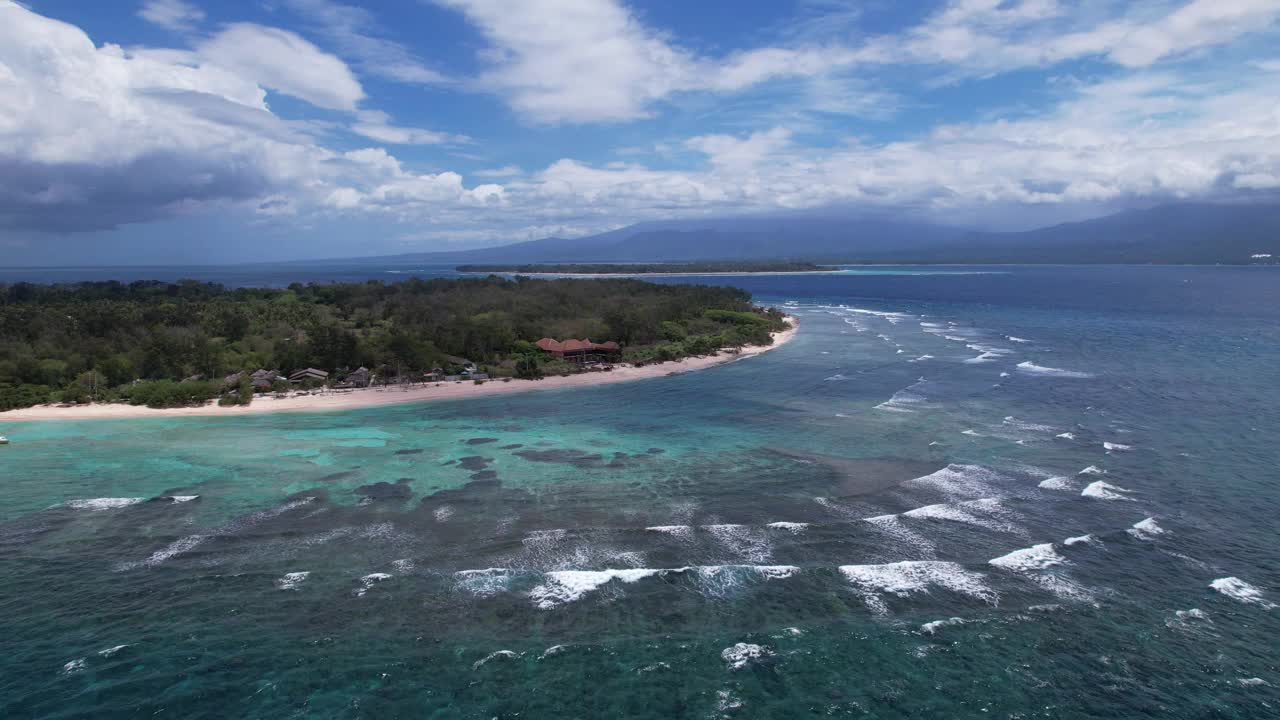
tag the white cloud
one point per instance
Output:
(570, 60)
(501, 172)
(95, 137)
(376, 125)
(284, 62)
(581, 61)
(356, 33)
(176, 15)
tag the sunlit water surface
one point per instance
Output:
(1043, 493)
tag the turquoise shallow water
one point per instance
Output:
(893, 516)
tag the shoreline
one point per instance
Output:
(381, 397)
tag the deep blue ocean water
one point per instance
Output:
(1027, 493)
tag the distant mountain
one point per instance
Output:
(737, 239)
(1169, 234)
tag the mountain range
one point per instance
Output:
(1169, 234)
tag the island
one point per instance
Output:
(698, 268)
(102, 348)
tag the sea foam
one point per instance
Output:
(1031, 368)
(903, 579)
(1101, 490)
(743, 654)
(291, 581)
(1237, 589)
(1146, 529)
(565, 586)
(107, 503)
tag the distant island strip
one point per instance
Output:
(111, 349)
(701, 268)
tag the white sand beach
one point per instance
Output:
(375, 397)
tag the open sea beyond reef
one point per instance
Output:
(1035, 493)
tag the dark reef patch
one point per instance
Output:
(481, 441)
(410, 451)
(577, 458)
(474, 462)
(513, 446)
(485, 475)
(333, 477)
(399, 490)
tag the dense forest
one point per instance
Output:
(701, 268)
(166, 344)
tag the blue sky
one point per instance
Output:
(172, 131)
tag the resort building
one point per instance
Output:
(580, 351)
(309, 374)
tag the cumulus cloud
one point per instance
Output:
(581, 61)
(285, 62)
(94, 137)
(176, 15)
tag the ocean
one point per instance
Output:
(1006, 492)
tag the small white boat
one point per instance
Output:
(4, 440)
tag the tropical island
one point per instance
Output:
(187, 344)
(697, 268)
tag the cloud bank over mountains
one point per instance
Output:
(595, 114)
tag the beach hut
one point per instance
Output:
(360, 377)
(308, 374)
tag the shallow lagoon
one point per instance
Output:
(810, 531)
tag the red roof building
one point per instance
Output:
(579, 350)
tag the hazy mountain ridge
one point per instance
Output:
(1169, 234)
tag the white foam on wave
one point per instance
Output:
(1237, 589)
(74, 666)
(893, 527)
(1027, 425)
(1031, 368)
(368, 581)
(721, 580)
(1035, 564)
(1057, 483)
(957, 480)
(443, 513)
(684, 532)
(795, 528)
(186, 544)
(1146, 529)
(922, 358)
(107, 503)
(902, 401)
(1101, 490)
(932, 628)
(958, 513)
(403, 565)
(742, 540)
(1115, 447)
(173, 549)
(1081, 540)
(291, 581)
(1013, 338)
(483, 583)
(1066, 436)
(108, 652)
(743, 654)
(1251, 682)
(1092, 470)
(565, 586)
(499, 655)
(906, 578)
(1036, 557)
(835, 378)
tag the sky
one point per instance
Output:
(190, 131)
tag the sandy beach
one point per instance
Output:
(375, 397)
